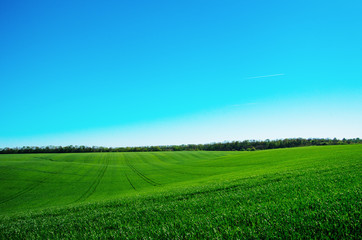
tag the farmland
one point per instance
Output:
(306, 192)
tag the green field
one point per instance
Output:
(307, 192)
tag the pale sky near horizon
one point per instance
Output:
(125, 73)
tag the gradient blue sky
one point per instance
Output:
(126, 73)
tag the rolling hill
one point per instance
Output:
(306, 192)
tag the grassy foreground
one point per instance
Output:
(309, 192)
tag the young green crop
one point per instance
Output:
(310, 192)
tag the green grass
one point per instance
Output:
(309, 192)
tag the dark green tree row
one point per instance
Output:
(247, 145)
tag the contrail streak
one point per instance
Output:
(273, 75)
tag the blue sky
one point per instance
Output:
(126, 73)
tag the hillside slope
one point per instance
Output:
(299, 192)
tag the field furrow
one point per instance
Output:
(23, 191)
(141, 175)
(129, 181)
(92, 188)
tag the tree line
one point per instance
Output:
(247, 145)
